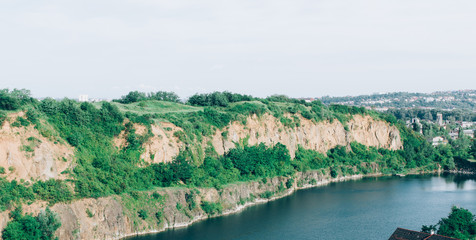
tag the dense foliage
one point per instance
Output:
(220, 99)
(460, 223)
(431, 114)
(27, 227)
(14, 99)
(136, 96)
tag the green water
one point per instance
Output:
(370, 208)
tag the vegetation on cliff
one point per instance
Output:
(102, 169)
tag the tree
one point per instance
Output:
(27, 227)
(460, 223)
(48, 222)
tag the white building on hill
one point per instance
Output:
(83, 98)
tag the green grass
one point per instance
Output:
(472, 160)
(154, 107)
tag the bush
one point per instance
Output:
(267, 194)
(334, 173)
(289, 183)
(190, 199)
(89, 213)
(156, 195)
(142, 214)
(52, 191)
(41, 227)
(3, 117)
(159, 216)
(211, 208)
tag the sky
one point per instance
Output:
(300, 48)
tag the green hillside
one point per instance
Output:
(100, 169)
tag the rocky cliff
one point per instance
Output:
(26, 154)
(320, 136)
(117, 216)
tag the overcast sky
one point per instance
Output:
(301, 48)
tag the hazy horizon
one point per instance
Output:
(298, 48)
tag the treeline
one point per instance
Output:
(15, 99)
(221, 99)
(430, 114)
(136, 96)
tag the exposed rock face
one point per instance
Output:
(25, 154)
(320, 136)
(110, 219)
(267, 129)
(163, 146)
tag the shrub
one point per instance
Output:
(211, 208)
(41, 227)
(156, 195)
(334, 173)
(89, 213)
(142, 214)
(289, 182)
(190, 199)
(159, 216)
(52, 191)
(3, 117)
(267, 194)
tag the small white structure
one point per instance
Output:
(438, 140)
(466, 124)
(469, 133)
(454, 135)
(83, 98)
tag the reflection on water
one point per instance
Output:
(370, 208)
(451, 183)
(461, 180)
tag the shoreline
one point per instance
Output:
(287, 193)
(257, 201)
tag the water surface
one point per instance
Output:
(371, 208)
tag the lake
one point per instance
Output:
(370, 208)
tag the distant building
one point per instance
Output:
(405, 234)
(439, 119)
(454, 135)
(466, 124)
(469, 133)
(83, 98)
(438, 140)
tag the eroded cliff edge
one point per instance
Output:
(318, 136)
(116, 216)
